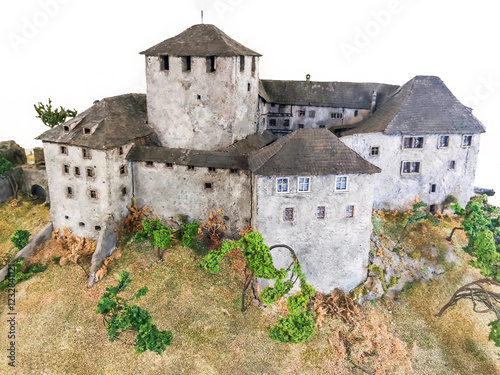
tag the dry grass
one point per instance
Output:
(28, 215)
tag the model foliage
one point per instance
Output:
(6, 172)
(53, 117)
(20, 238)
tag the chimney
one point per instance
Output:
(308, 78)
(374, 102)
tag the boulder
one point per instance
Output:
(13, 152)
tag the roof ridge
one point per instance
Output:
(258, 158)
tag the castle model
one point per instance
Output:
(302, 162)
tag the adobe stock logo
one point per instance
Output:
(223, 6)
(485, 88)
(31, 26)
(380, 19)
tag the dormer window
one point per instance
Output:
(66, 128)
(210, 64)
(86, 131)
(186, 63)
(164, 63)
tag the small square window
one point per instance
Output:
(312, 114)
(374, 151)
(86, 153)
(124, 191)
(302, 113)
(164, 63)
(66, 128)
(93, 194)
(123, 170)
(208, 185)
(341, 183)
(97, 227)
(64, 150)
(69, 191)
(198, 97)
(282, 185)
(190, 167)
(65, 168)
(90, 172)
(286, 123)
(272, 122)
(301, 126)
(169, 165)
(288, 215)
(467, 141)
(444, 141)
(66, 217)
(149, 163)
(81, 223)
(233, 171)
(211, 169)
(451, 164)
(320, 212)
(120, 151)
(349, 212)
(86, 130)
(304, 184)
(433, 188)
(186, 63)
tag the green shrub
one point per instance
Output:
(20, 238)
(294, 328)
(17, 272)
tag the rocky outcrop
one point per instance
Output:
(13, 152)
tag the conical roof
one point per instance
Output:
(200, 40)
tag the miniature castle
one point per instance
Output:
(302, 162)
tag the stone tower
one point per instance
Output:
(202, 89)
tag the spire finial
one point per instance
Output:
(201, 16)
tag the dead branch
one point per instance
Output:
(453, 231)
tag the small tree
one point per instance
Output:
(6, 172)
(53, 117)
(120, 315)
(20, 238)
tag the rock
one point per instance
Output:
(13, 152)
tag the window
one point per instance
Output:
(413, 142)
(210, 64)
(254, 64)
(64, 150)
(444, 141)
(288, 216)
(304, 184)
(411, 167)
(77, 171)
(312, 114)
(272, 122)
(69, 191)
(466, 140)
(302, 113)
(66, 128)
(86, 153)
(186, 63)
(273, 105)
(242, 63)
(233, 171)
(81, 223)
(86, 130)
(90, 172)
(301, 126)
(190, 167)
(164, 63)
(349, 212)
(433, 188)
(65, 168)
(335, 115)
(198, 97)
(355, 113)
(123, 170)
(248, 87)
(169, 165)
(208, 185)
(320, 212)
(97, 227)
(211, 169)
(374, 151)
(149, 163)
(93, 194)
(124, 191)
(322, 126)
(451, 164)
(282, 185)
(286, 123)
(120, 151)
(66, 217)
(341, 183)
(432, 208)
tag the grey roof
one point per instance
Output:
(234, 156)
(424, 105)
(200, 40)
(308, 152)
(324, 94)
(116, 121)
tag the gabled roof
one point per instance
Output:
(424, 105)
(113, 122)
(324, 94)
(200, 40)
(308, 152)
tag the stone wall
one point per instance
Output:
(333, 251)
(5, 189)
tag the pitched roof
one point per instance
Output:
(234, 156)
(308, 152)
(323, 94)
(424, 105)
(200, 40)
(114, 121)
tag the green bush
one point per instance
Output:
(294, 328)
(18, 275)
(20, 238)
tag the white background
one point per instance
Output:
(78, 51)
